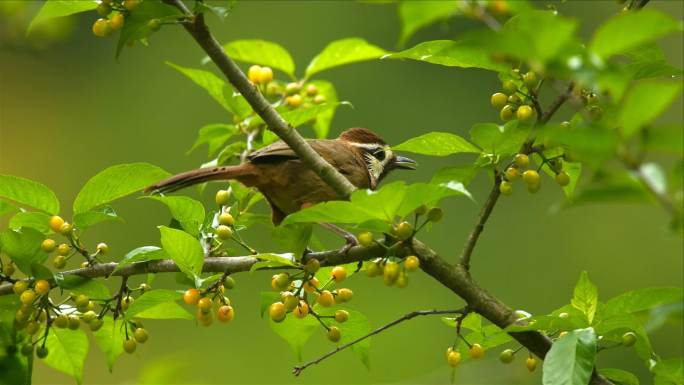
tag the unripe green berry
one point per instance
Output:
(373, 269)
(41, 352)
(66, 229)
(96, 324)
(129, 345)
(562, 178)
(222, 197)
(81, 300)
(341, 316)
(59, 261)
(435, 214)
(312, 266)
(140, 335)
(421, 210)
(514, 99)
(226, 219)
(73, 322)
(229, 283)
(530, 80)
(509, 88)
(224, 232)
(628, 339)
(154, 24)
(507, 356)
(498, 100)
(506, 188)
(61, 321)
(506, 113)
(365, 238)
(104, 9)
(27, 350)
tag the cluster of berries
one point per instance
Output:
(294, 94)
(210, 301)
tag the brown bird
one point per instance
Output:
(288, 185)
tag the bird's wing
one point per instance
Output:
(280, 151)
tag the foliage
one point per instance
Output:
(618, 80)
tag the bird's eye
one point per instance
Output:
(379, 154)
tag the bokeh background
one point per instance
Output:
(68, 109)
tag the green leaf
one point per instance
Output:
(570, 360)
(437, 144)
(642, 299)
(109, 338)
(385, 201)
(295, 331)
(184, 249)
(299, 116)
(67, 351)
(619, 376)
(262, 52)
(323, 120)
(645, 102)
(500, 140)
(344, 51)
(332, 212)
(418, 194)
(116, 182)
(93, 288)
(217, 88)
(141, 254)
(415, 15)
(460, 53)
(294, 238)
(535, 35)
(187, 211)
(666, 139)
(157, 304)
(6, 208)
(585, 297)
(23, 247)
(137, 26)
(455, 174)
(95, 216)
(630, 29)
(35, 220)
(59, 8)
(355, 327)
(668, 371)
(15, 370)
(29, 193)
(215, 136)
(220, 12)
(273, 260)
(612, 328)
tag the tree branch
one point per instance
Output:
(200, 32)
(297, 370)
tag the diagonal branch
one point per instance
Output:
(297, 370)
(200, 32)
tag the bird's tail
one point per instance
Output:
(189, 178)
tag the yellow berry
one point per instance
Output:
(63, 249)
(42, 287)
(312, 266)
(319, 99)
(334, 334)
(102, 248)
(344, 295)
(191, 296)
(325, 299)
(476, 351)
(365, 238)
(117, 21)
(294, 101)
(341, 316)
(507, 356)
(435, 214)
(402, 280)
(404, 230)
(525, 114)
(390, 273)
(129, 345)
(411, 263)
(512, 174)
(562, 178)
(454, 358)
(224, 232)
(509, 88)
(302, 310)
(27, 297)
(265, 75)
(225, 314)
(531, 177)
(20, 287)
(289, 300)
(59, 261)
(222, 197)
(101, 27)
(55, 223)
(339, 273)
(311, 285)
(506, 188)
(530, 80)
(205, 304)
(521, 160)
(48, 245)
(140, 335)
(506, 113)
(499, 100)
(131, 5)
(531, 364)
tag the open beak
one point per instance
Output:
(404, 163)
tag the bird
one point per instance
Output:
(288, 185)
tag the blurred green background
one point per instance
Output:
(68, 109)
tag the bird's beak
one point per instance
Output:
(404, 163)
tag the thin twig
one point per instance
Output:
(297, 370)
(119, 297)
(556, 104)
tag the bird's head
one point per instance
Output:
(378, 156)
